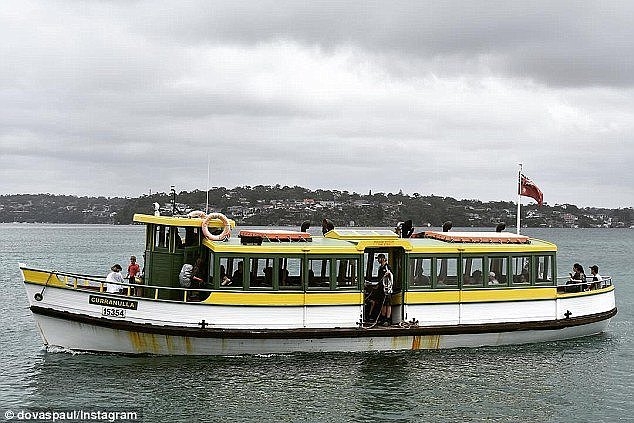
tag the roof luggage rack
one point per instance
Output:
(256, 237)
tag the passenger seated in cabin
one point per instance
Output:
(224, 279)
(237, 275)
(421, 279)
(493, 280)
(284, 277)
(115, 277)
(596, 278)
(476, 277)
(576, 278)
(268, 276)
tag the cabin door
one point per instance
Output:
(374, 300)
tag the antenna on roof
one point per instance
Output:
(173, 189)
(207, 190)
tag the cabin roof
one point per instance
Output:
(349, 245)
(178, 221)
(361, 234)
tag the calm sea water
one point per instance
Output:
(588, 379)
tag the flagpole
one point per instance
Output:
(519, 196)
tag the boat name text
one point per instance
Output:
(112, 302)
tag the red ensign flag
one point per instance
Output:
(529, 189)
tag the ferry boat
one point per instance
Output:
(268, 291)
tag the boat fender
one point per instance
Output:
(38, 296)
(226, 231)
(196, 213)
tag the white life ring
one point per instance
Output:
(196, 213)
(226, 231)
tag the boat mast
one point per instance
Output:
(519, 197)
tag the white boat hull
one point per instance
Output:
(86, 337)
(79, 319)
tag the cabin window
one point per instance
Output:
(420, 272)
(231, 272)
(545, 270)
(261, 273)
(290, 273)
(178, 240)
(372, 264)
(472, 271)
(210, 270)
(447, 272)
(192, 236)
(499, 267)
(160, 238)
(346, 273)
(318, 273)
(521, 270)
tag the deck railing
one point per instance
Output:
(565, 284)
(98, 283)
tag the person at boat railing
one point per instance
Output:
(116, 277)
(577, 276)
(237, 276)
(133, 270)
(596, 278)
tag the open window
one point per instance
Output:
(420, 272)
(318, 273)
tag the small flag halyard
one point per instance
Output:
(529, 189)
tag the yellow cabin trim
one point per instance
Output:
(378, 243)
(279, 248)
(515, 294)
(284, 299)
(432, 297)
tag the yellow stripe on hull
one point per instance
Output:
(284, 299)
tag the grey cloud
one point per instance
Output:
(558, 43)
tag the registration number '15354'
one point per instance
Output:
(112, 312)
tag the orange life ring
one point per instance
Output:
(226, 231)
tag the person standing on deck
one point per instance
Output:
(386, 280)
(133, 271)
(116, 277)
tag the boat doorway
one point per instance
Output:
(376, 303)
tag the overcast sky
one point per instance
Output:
(121, 97)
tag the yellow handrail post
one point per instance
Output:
(156, 293)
